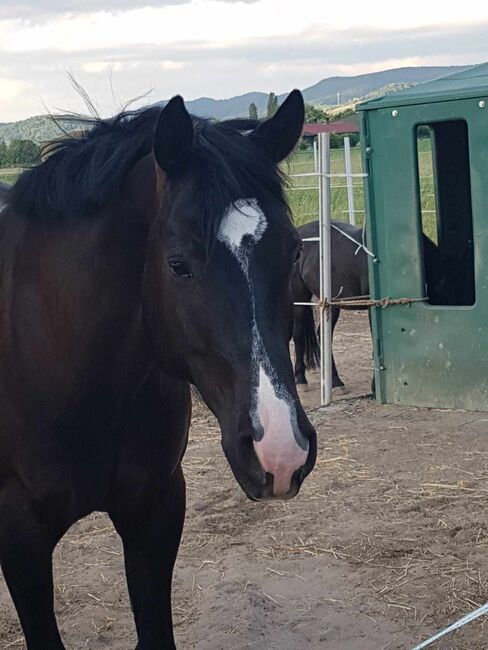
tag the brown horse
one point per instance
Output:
(349, 277)
(152, 253)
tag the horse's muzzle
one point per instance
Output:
(261, 485)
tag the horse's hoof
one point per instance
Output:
(340, 390)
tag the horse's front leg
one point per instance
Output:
(299, 343)
(26, 547)
(151, 536)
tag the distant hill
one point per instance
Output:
(42, 128)
(349, 88)
(325, 91)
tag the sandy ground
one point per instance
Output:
(387, 541)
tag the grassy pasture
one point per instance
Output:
(304, 197)
(303, 192)
(9, 175)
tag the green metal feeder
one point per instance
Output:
(425, 150)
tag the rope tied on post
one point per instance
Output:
(365, 301)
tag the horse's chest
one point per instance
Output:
(83, 457)
(65, 469)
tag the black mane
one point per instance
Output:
(82, 174)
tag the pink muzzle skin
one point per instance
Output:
(277, 451)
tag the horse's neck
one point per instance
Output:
(78, 282)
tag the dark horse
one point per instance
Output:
(152, 253)
(349, 277)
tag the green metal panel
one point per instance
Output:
(424, 355)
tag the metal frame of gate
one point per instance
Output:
(322, 157)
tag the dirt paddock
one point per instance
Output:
(387, 541)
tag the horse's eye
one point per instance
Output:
(180, 268)
(298, 254)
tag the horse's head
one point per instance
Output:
(217, 294)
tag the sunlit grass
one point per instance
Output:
(8, 176)
(304, 202)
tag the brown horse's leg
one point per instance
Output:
(336, 380)
(299, 342)
(151, 537)
(26, 548)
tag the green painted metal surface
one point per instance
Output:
(425, 355)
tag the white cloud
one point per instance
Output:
(223, 22)
(100, 66)
(208, 21)
(10, 88)
(171, 65)
(42, 9)
(219, 49)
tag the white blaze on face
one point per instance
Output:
(273, 411)
(278, 450)
(243, 218)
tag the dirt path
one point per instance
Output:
(387, 541)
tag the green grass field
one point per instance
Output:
(8, 176)
(303, 193)
(304, 202)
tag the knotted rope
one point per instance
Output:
(365, 301)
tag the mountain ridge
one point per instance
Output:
(41, 128)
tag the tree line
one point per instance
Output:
(271, 108)
(313, 115)
(18, 153)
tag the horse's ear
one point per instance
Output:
(279, 134)
(174, 136)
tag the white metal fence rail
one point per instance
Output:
(322, 166)
(349, 177)
(325, 270)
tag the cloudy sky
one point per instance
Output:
(121, 49)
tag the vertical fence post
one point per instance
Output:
(350, 190)
(315, 156)
(325, 269)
